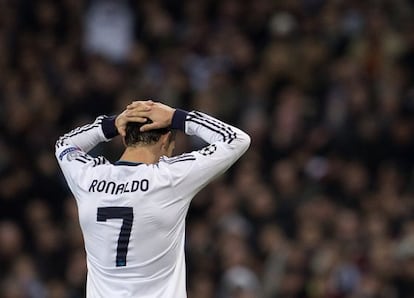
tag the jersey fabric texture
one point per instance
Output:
(132, 215)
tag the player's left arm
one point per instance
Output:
(72, 148)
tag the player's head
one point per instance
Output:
(163, 137)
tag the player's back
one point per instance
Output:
(133, 226)
(133, 215)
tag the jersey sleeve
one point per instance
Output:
(226, 144)
(71, 149)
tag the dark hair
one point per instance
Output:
(134, 136)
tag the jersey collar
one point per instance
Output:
(127, 163)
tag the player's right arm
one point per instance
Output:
(226, 144)
(190, 172)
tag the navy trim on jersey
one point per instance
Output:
(108, 127)
(79, 130)
(218, 127)
(212, 122)
(127, 163)
(84, 156)
(199, 121)
(178, 120)
(180, 160)
(215, 123)
(100, 160)
(81, 160)
(218, 123)
(182, 157)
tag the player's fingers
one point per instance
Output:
(137, 114)
(150, 126)
(122, 131)
(138, 110)
(143, 105)
(134, 118)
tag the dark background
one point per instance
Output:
(322, 203)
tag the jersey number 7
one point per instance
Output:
(127, 215)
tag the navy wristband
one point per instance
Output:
(178, 120)
(108, 127)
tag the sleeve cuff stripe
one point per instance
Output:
(108, 127)
(178, 120)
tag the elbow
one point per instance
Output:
(246, 141)
(58, 144)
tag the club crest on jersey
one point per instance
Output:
(206, 151)
(71, 153)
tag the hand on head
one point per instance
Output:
(139, 111)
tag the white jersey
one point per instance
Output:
(132, 215)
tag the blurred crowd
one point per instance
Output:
(322, 204)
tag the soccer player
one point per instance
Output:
(132, 213)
